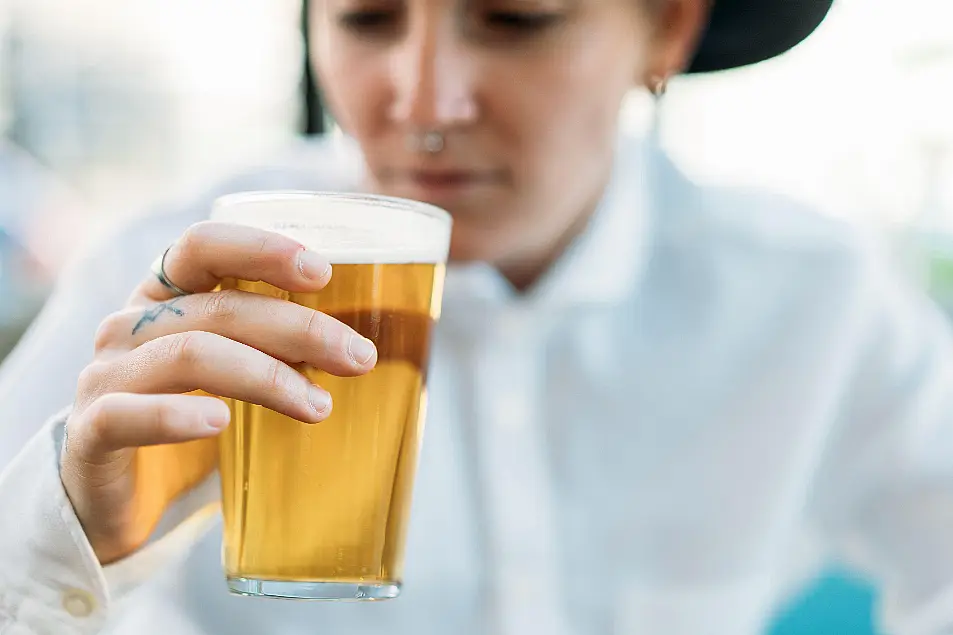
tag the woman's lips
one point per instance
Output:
(446, 180)
(439, 184)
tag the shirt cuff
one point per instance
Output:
(50, 580)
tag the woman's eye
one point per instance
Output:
(520, 21)
(368, 21)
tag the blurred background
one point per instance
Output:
(108, 106)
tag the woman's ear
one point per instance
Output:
(677, 29)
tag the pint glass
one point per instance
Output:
(321, 511)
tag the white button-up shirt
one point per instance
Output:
(706, 382)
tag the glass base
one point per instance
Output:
(312, 590)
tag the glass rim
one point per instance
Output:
(253, 196)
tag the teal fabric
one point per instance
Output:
(837, 604)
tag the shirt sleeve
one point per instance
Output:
(885, 492)
(51, 581)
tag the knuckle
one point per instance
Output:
(184, 347)
(111, 331)
(96, 422)
(316, 329)
(222, 305)
(193, 238)
(92, 377)
(331, 336)
(280, 380)
(277, 249)
(338, 340)
(275, 378)
(161, 417)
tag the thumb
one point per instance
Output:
(117, 421)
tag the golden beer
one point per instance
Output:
(321, 511)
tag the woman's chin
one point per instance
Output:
(468, 245)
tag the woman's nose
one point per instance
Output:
(433, 76)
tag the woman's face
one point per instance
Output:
(526, 92)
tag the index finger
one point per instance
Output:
(211, 251)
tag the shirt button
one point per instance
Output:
(79, 603)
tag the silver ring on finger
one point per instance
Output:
(158, 270)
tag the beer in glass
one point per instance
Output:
(321, 511)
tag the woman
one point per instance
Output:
(644, 392)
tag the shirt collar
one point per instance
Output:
(602, 265)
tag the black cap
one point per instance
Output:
(744, 32)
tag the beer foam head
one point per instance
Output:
(346, 228)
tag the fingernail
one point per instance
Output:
(320, 401)
(217, 422)
(361, 349)
(313, 266)
(217, 415)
